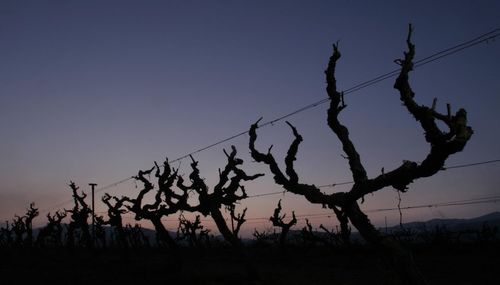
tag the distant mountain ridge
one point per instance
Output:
(491, 219)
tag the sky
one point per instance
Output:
(92, 91)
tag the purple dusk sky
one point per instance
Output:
(93, 91)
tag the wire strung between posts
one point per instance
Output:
(282, 192)
(486, 37)
(491, 35)
(352, 182)
(267, 194)
(446, 204)
(95, 191)
(426, 60)
(114, 184)
(483, 200)
(471, 164)
(336, 184)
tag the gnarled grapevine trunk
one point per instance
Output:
(344, 204)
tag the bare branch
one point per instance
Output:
(239, 219)
(277, 221)
(310, 192)
(442, 143)
(336, 106)
(291, 155)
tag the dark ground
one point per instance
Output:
(450, 264)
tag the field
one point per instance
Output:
(449, 264)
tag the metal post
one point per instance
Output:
(93, 185)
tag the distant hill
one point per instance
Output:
(491, 219)
(452, 225)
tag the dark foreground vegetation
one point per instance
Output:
(470, 263)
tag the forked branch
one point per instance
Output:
(278, 221)
(345, 205)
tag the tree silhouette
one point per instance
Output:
(6, 238)
(310, 236)
(99, 231)
(31, 213)
(21, 226)
(79, 219)
(277, 221)
(51, 234)
(264, 237)
(19, 229)
(224, 194)
(115, 220)
(442, 145)
(166, 201)
(193, 232)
